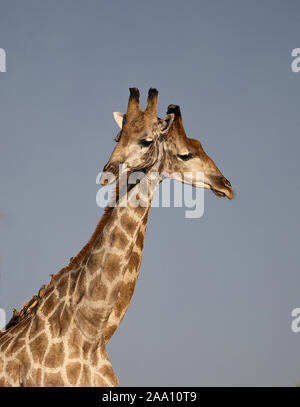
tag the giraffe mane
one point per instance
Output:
(31, 305)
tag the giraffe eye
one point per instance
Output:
(146, 142)
(185, 157)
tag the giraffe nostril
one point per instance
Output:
(227, 182)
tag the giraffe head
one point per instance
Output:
(140, 138)
(185, 158)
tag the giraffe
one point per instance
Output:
(183, 156)
(60, 342)
(178, 136)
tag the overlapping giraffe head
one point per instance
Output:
(186, 159)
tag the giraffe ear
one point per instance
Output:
(165, 123)
(119, 118)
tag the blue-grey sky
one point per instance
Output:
(214, 298)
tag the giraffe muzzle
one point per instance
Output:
(220, 186)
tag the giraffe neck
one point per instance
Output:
(129, 282)
(102, 272)
(53, 346)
